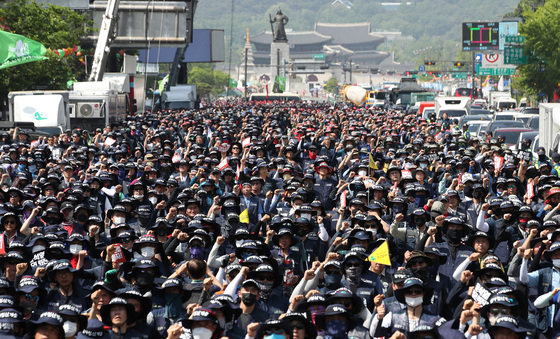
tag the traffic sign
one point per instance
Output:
(421, 68)
(318, 56)
(514, 39)
(515, 56)
(496, 71)
(478, 58)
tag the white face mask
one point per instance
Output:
(120, 220)
(38, 248)
(222, 322)
(153, 200)
(556, 262)
(75, 249)
(373, 232)
(148, 252)
(201, 333)
(492, 319)
(138, 196)
(306, 216)
(362, 173)
(238, 243)
(413, 302)
(70, 329)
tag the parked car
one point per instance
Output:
(511, 135)
(494, 125)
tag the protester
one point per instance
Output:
(277, 220)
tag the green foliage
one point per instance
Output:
(434, 23)
(540, 28)
(332, 85)
(523, 6)
(208, 81)
(53, 26)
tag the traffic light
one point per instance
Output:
(429, 63)
(459, 64)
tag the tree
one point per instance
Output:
(207, 80)
(55, 27)
(332, 85)
(540, 29)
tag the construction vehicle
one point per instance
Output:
(354, 94)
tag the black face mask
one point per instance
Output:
(248, 299)
(82, 217)
(454, 236)
(161, 232)
(478, 194)
(419, 222)
(144, 279)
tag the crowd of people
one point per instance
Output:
(258, 220)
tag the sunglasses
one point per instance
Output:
(498, 311)
(414, 291)
(9, 222)
(298, 326)
(28, 296)
(332, 272)
(267, 278)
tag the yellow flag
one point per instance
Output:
(244, 217)
(381, 254)
(372, 163)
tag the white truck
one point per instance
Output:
(97, 104)
(549, 127)
(179, 97)
(495, 96)
(47, 110)
(454, 106)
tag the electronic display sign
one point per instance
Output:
(481, 36)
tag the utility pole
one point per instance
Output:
(350, 71)
(474, 94)
(245, 80)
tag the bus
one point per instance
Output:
(286, 96)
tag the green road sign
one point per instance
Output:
(318, 56)
(461, 75)
(515, 56)
(496, 71)
(515, 39)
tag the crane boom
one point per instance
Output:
(103, 43)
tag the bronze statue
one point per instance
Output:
(278, 32)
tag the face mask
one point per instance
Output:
(21, 167)
(153, 200)
(287, 177)
(32, 168)
(523, 220)
(238, 243)
(75, 249)
(413, 302)
(332, 281)
(423, 165)
(174, 306)
(468, 191)
(69, 216)
(362, 173)
(120, 220)
(161, 232)
(556, 262)
(492, 319)
(70, 329)
(248, 299)
(373, 232)
(478, 194)
(148, 252)
(336, 328)
(353, 274)
(266, 289)
(138, 196)
(398, 209)
(196, 252)
(144, 279)
(420, 201)
(454, 235)
(201, 333)
(37, 248)
(222, 322)
(419, 222)
(275, 336)
(81, 217)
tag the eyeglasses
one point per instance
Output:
(9, 222)
(414, 291)
(28, 296)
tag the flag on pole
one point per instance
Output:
(281, 83)
(162, 83)
(501, 84)
(372, 163)
(232, 83)
(16, 49)
(244, 217)
(381, 255)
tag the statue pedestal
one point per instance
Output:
(279, 60)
